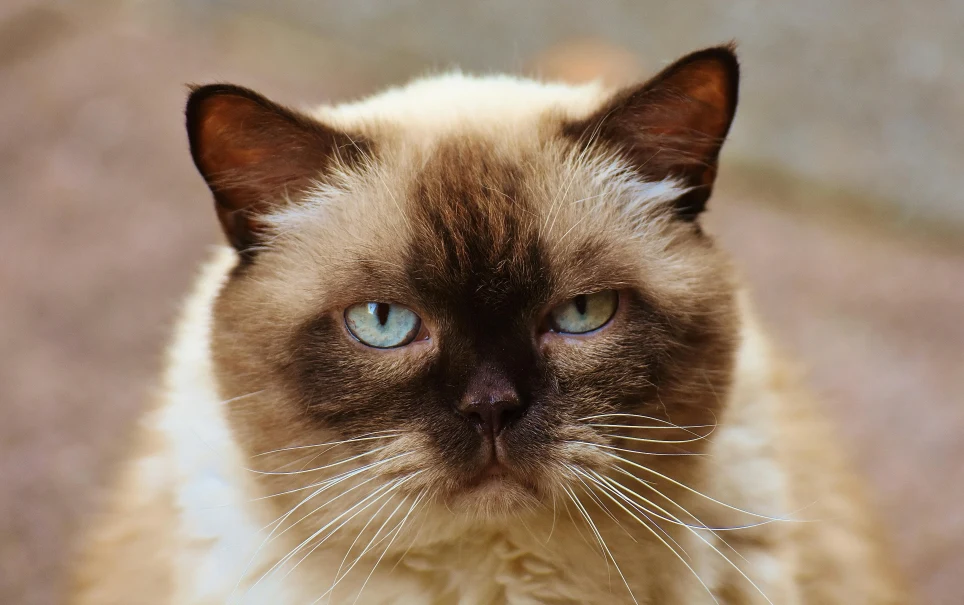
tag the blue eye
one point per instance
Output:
(584, 313)
(382, 325)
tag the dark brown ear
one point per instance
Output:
(256, 154)
(674, 124)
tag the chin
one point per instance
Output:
(494, 498)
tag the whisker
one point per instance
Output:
(240, 397)
(387, 547)
(349, 490)
(346, 474)
(690, 489)
(628, 451)
(318, 468)
(673, 550)
(626, 415)
(592, 526)
(602, 542)
(701, 525)
(676, 522)
(377, 495)
(371, 544)
(280, 520)
(298, 548)
(552, 528)
(576, 525)
(601, 504)
(647, 514)
(365, 437)
(277, 523)
(645, 440)
(361, 532)
(705, 541)
(667, 423)
(411, 544)
(384, 491)
(651, 428)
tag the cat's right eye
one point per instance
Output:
(382, 325)
(584, 313)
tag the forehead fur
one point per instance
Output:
(455, 104)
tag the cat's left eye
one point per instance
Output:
(584, 313)
(382, 325)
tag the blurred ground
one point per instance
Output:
(104, 221)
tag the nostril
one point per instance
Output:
(476, 419)
(508, 415)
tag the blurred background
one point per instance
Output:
(840, 197)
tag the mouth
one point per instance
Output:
(497, 488)
(494, 474)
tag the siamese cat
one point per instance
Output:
(469, 344)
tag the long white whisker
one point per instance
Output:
(702, 525)
(240, 397)
(364, 503)
(382, 493)
(319, 468)
(574, 524)
(361, 532)
(645, 440)
(300, 546)
(600, 503)
(629, 451)
(277, 523)
(552, 528)
(690, 489)
(371, 544)
(592, 526)
(366, 437)
(397, 531)
(705, 541)
(647, 514)
(665, 543)
(324, 485)
(602, 543)
(677, 522)
(336, 478)
(675, 427)
(411, 544)
(667, 423)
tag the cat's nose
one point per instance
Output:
(491, 402)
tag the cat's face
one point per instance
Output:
(485, 310)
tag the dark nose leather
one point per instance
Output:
(491, 402)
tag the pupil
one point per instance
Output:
(580, 302)
(381, 312)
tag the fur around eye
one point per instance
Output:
(584, 313)
(382, 325)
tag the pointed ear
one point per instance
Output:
(674, 124)
(256, 155)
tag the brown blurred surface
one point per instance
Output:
(104, 222)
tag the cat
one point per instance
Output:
(471, 344)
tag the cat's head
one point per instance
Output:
(479, 290)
